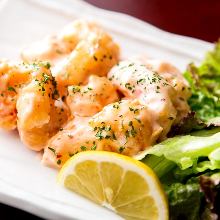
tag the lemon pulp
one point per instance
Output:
(120, 183)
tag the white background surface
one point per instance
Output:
(24, 182)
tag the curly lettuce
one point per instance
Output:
(187, 164)
(204, 82)
(186, 125)
(197, 198)
(181, 197)
(181, 163)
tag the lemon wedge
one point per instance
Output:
(120, 183)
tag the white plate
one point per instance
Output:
(24, 182)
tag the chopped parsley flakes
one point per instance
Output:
(104, 132)
(83, 148)
(12, 89)
(121, 149)
(52, 149)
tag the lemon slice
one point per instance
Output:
(120, 183)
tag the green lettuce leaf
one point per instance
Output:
(184, 200)
(160, 165)
(185, 166)
(185, 151)
(205, 86)
(197, 198)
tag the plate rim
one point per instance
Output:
(39, 210)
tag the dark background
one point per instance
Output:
(194, 18)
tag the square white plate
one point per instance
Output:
(24, 182)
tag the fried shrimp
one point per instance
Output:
(28, 102)
(38, 116)
(154, 89)
(12, 78)
(72, 94)
(89, 99)
(125, 127)
(56, 47)
(178, 82)
(80, 50)
(94, 56)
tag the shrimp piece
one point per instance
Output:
(68, 141)
(38, 116)
(153, 90)
(88, 100)
(125, 127)
(27, 101)
(33, 107)
(12, 78)
(59, 115)
(54, 48)
(81, 49)
(96, 55)
(178, 82)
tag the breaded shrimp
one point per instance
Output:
(38, 116)
(94, 56)
(151, 88)
(125, 127)
(89, 99)
(12, 78)
(178, 82)
(80, 50)
(56, 47)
